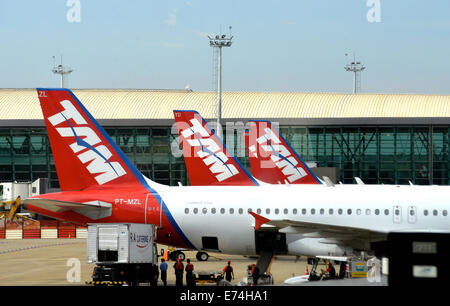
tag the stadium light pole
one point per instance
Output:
(63, 71)
(219, 41)
(356, 68)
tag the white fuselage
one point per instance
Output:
(222, 211)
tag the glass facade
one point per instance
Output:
(382, 154)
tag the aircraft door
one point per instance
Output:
(412, 214)
(269, 240)
(397, 214)
(147, 210)
(152, 214)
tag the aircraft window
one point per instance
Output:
(304, 211)
(268, 211)
(313, 211)
(322, 211)
(277, 211)
(386, 212)
(258, 211)
(349, 211)
(377, 212)
(249, 210)
(397, 212)
(367, 212)
(330, 211)
(435, 212)
(358, 211)
(213, 210)
(195, 210)
(286, 211)
(294, 211)
(241, 211)
(444, 212)
(411, 212)
(231, 211)
(186, 211)
(205, 210)
(222, 211)
(340, 211)
(425, 212)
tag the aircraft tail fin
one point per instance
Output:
(208, 161)
(85, 156)
(272, 159)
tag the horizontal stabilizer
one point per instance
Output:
(93, 210)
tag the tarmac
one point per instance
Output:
(62, 262)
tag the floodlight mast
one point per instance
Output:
(356, 68)
(63, 71)
(219, 41)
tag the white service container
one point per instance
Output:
(109, 243)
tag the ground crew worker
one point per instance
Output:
(189, 274)
(163, 268)
(228, 271)
(179, 270)
(331, 271)
(255, 274)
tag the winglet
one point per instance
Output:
(328, 181)
(259, 220)
(359, 181)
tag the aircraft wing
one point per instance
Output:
(290, 226)
(326, 230)
(328, 234)
(93, 210)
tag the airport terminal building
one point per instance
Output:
(381, 138)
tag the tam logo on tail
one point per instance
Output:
(280, 155)
(96, 158)
(210, 152)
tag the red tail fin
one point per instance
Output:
(207, 160)
(84, 154)
(271, 158)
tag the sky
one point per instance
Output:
(289, 45)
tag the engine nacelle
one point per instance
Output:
(316, 247)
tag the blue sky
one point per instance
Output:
(288, 45)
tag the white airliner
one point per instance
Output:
(100, 184)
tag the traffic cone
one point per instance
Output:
(306, 271)
(166, 255)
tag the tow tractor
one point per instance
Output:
(314, 276)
